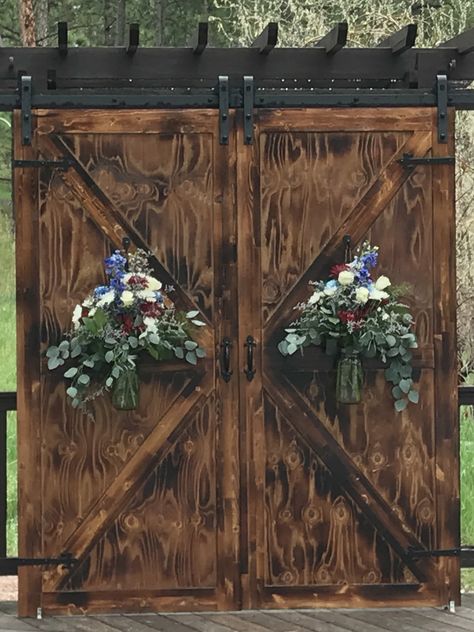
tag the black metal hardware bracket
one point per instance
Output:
(133, 39)
(223, 88)
(12, 563)
(442, 99)
(63, 164)
(62, 38)
(25, 96)
(410, 161)
(456, 552)
(248, 109)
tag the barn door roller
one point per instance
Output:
(248, 109)
(25, 96)
(442, 100)
(223, 89)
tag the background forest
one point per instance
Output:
(237, 23)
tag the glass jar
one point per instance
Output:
(125, 390)
(349, 379)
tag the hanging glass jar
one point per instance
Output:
(349, 379)
(125, 390)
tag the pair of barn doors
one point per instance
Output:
(238, 483)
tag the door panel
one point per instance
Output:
(347, 490)
(137, 497)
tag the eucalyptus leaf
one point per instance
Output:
(179, 352)
(200, 353)
(400, 404)
(391, 340)
(64, 345)
(109, 356)
(283, 347)
(72, 391)
(52, 352)
(54, 362)
(198, 323)
(192, 314)
(291, 348)
(116, 371)
(414, 396)
(133, 342)
(154, 338)
(109, 381)
(191, 357)
(70, 373)
(405, 385)
(84, 379)
(76, 352)
(397, 392)
(190, 345)
(110, 341)
(89, 363)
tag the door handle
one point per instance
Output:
(250, 371)
(226, 372)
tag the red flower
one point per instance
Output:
(339, 267)
(85, 312)
(150, 309)
(137, 279)
(347, 316)
(127, 323)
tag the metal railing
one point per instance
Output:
(8, 404)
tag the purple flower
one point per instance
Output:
(369, 259)
(115, 265)
(101, 290)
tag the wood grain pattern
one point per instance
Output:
(320, 178)
(136, 496)
(28, 300)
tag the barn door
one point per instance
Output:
(145, 500)
(338, 495)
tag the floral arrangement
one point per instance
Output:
(352, 315)
(115, 324)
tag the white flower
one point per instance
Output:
(362, 295)
(88, 302)
(385, 316)
(76, 316)
(330, 291)
(153, 284)
(126, 277)
(377, 295)
(127, 298)
(150, 324)
(92, 312)
(314, 298)
(382, 282)
(346, 277)
(106, 298)
(147, 295)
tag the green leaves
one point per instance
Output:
(400, 404)
(391, 340)
(179, 353)
(414, 396)
(70, 373)
(109, 356)
(192, 314)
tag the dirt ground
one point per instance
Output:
(9, 588)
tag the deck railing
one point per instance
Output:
(8, 404)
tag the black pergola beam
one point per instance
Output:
(463, 43)
(103, 68)
(133, 39)
(333, 41)
(200, 39)
(62, 38)
(400, 41)
(267, 40)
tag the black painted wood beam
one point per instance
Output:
(463, 43)
(400, 41)
(133, 39)
(62, 38)
(200, 39)
(334, 40)
(267, 40)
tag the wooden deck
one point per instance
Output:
(341, 620)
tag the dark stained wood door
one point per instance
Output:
(336, 495)
(147, 501)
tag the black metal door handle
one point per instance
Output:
(250, 371)
(226, 371)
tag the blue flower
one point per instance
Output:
(101, 290)
(115, 264)
(159, 297)
(331, 283)
(369, 259)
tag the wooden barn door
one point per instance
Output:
(145, 500)
(335, 496)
